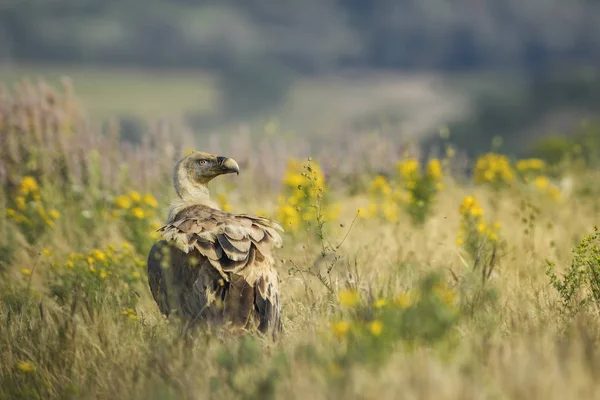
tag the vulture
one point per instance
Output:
(212, 266)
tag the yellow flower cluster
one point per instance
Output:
(406, 299)
(494, 169)
(340, 328)
(139, 214)
(421, 187)
(434, 170)
(121, 263)
(530, 165)
(130, 313)
(543, 184)
(409, 170)
(348, 298)
(385, 201)
(135, 205)
(304, 198)
(25, 366)
(29, 211)
(470, 206)
(473, 228)
(366, 320)
(414, 191)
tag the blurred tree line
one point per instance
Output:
(308, 35)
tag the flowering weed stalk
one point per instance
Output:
(421, 186)
(478, 237)
(305, 200)
(114, 270)
(494, 170)
(30, 212)
(137, 214)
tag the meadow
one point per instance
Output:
(403, 274)
(411, 103)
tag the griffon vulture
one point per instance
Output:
(211, 265)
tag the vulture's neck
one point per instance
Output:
(190, 194)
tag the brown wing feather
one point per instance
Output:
(236, 249)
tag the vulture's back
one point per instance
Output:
(217, 267)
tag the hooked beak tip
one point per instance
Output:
(230, 165)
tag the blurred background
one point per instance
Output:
(521, 76)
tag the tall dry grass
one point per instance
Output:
(444, 331)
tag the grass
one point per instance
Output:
(108, 92)
(375, 305)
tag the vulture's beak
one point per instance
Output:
(228, 165)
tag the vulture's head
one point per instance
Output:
(198, 168)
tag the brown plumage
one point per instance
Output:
(215, 266)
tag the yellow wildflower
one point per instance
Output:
(466, 205)
(135, 196)
(26, 271)
(409, 168)
(28, 185)
(20, 202)
(477, 211)
(372, 209)
(381, 186)
(481, 227)
(123, 202)
(90, 260)
(149, 200)
(138, 213)
(380, 303)
(403, 300)
(542, 182)
(135, 274)
(54, 214)
(294, 179)
(389, 210)
(11, 213)
(530, 164)
(376, 327)
(348, 298)
(554, 192)
(69, 264)
(445, 294)
(493, 168)
(98, 255)
(459, 241)
(340, 328)
(46, 252)
(126, 245)
(92, 269)
(434, 169)
(25, 366)
(103, 274)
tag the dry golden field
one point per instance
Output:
(403, 275)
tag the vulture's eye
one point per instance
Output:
(202, 162)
